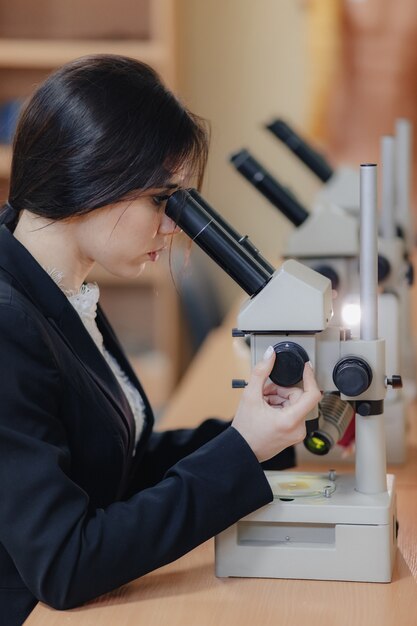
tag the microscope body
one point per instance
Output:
(293, 313)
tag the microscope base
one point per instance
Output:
(347, 536)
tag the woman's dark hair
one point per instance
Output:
(98, 129)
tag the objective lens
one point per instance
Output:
(317, 443)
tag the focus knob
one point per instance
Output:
(352, 376)
(289, 364)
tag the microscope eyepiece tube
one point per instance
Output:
(310, 157)
(202, 228)
(243, 240)
(262, 180)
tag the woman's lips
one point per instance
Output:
(154, 254)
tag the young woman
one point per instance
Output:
(91, 497)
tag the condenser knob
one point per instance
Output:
(396, 382)
(352, 376)
(289, 363)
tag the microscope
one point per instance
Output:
(341, 186)
(319, 526)
(327, 240)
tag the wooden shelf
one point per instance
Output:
(26, 61)
(49, 54)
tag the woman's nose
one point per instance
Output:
(168, 226)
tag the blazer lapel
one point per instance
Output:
(73, 332)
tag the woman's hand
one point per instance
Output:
(271, 418)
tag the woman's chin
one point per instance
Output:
(129, 272)
(134, 272)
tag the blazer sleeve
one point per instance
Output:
(165, 448)
(66, 551)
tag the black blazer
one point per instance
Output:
(80, 514)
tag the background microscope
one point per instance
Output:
(341, 188)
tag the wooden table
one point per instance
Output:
(187, 592)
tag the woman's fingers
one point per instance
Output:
(278, 400)
(302, 400)
(260, 373)
(310, 397)
(309, 382)
(276, 390)
(271, 387)
(270, 429)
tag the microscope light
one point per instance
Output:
(351, 314)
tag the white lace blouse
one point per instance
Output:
(85, 303)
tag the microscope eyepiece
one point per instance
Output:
(273, 191)
(186, 209)
(310, 157)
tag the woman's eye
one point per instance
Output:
(158, 200)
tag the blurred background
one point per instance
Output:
(339, 71)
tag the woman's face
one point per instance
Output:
(122, 237)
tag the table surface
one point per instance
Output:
(187, 591)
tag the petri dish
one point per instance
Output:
(299, 485)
